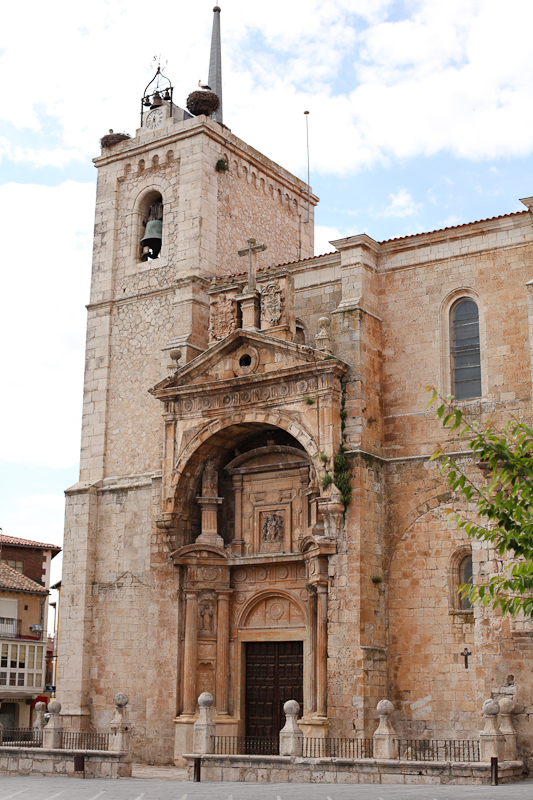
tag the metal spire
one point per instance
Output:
(215, 64)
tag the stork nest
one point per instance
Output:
(202, 103)
(113, 138)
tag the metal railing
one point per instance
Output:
(9, 627)
(438, 749)
(84, 740)
(246, 745)
(338, 748)
(21, 737)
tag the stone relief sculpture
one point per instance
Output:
(272, 531)
(206, 613)
(210, 480)
(271, 303)
(222, 318)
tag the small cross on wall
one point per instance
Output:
(465, 655)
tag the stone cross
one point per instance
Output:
(251, 251)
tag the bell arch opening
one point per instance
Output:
(264, 482)
(150, 225)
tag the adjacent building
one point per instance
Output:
(24, 582)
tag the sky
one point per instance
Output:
(421, 117)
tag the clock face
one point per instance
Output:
(155, 118)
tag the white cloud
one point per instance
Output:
(44, 285)
(39, 518)
(323, 236)
(401, 205)
(450, 77)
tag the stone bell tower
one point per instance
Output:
(174, 205)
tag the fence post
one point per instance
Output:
(385, 742)
(291, 738)
(204, 728)
(53, 729)
(120, 726)
(507, 707)
(491, 741)
(39, 723)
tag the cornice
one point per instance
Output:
(203, 125)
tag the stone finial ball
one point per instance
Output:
(291, 708)
(384, 708)
(54, 707)
(175, 355)
(205, 700)
(121, 700)
(507, 705)
(491, 708)
(323, 323)
(40, 706)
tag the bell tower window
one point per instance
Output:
(152, 230)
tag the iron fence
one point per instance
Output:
(84, 740)
(21, 737)
(438, 749)
(246, 745)
(338, 748)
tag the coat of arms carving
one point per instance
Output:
(271, 303)
(222, 317)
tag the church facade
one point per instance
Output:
(257, 515)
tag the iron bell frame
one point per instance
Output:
(148, 96)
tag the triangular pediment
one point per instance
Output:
(245, 356)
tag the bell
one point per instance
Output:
(152, 236)
(156, 101)
(167, 95)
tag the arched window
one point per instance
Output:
(151, 218)
(465, 351)
(465, 576)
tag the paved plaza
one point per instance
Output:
(39, 788)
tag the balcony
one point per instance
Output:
(9, 628)
(22, 668)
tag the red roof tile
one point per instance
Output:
(15, 582)
(27, 543)
(453, 227)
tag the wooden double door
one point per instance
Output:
(274, 674)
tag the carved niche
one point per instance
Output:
(271, 303)
(222, 317)
(272, 531)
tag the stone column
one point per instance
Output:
(291, 736)
(190, 661)
(209, 503)
(491, 741)
(322, 650)
(53, 730)
(120, 726)
(204, 727)
(311, 643)
(385, 741)
(222, 683)
(237, 544)
(507, 728)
